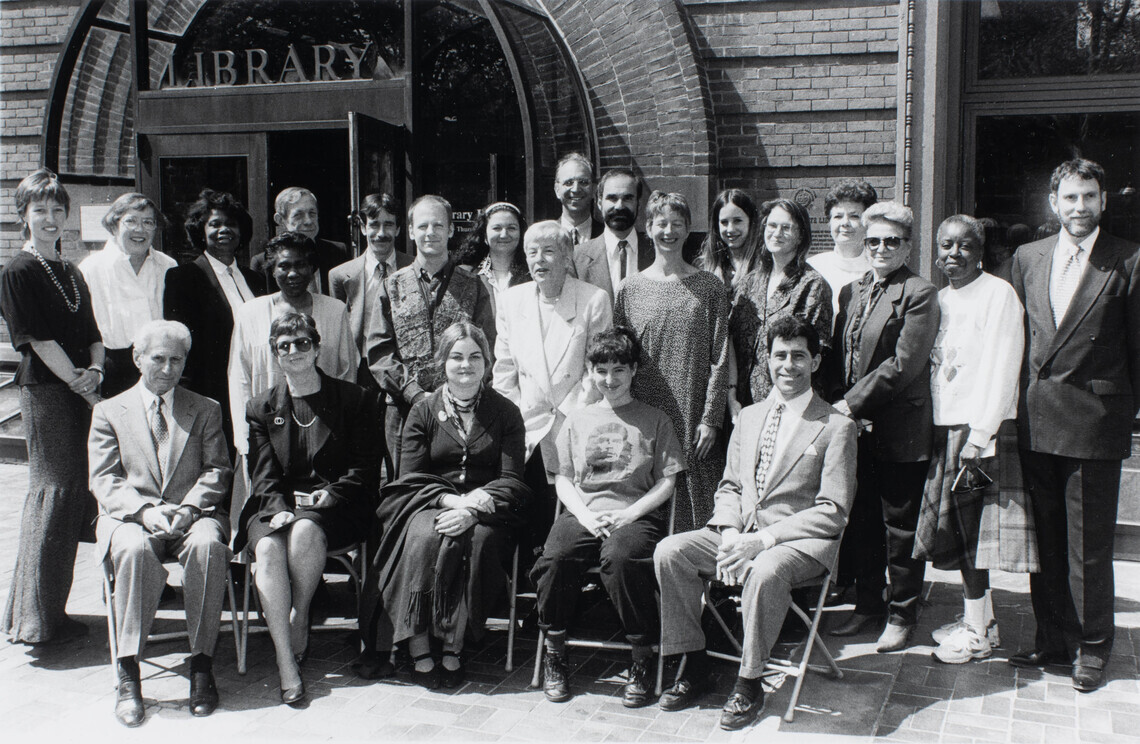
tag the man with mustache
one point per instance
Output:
(359, 282)
(620, 251)
(1080, 385)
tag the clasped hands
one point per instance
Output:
(460, 510)
(86, 384)
(323, 498)
(734, 557)
(603, 523)
(167, 520)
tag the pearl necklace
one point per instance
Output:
(71, 306)
(312, 421)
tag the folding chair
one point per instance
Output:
(609, 645)
(354, 559)
(809, 644)
(113, 625)
(512, 613)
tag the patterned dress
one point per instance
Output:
(683, 327)
(754, 312)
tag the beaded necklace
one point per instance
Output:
(71, 306)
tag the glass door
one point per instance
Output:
(173, 170)
(375, 166)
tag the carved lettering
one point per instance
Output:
(224, 72)
(356, 59)
(321, 66)
(292, 65)
(255, 73)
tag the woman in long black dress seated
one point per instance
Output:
(450, 519)
(313, 455)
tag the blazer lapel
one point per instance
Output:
(646, 255)
(873, 328)
(808, 430)
(138, 428)
(281, 426)
(749, 458)
(326, 410)
(183, 418)
(1102, 260)
(203, 263)
(445, 422)
(483, 421)
(598, 272)
(557, 341)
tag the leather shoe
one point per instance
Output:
(893, 638)
(294, 696)
(1038, 659)
(203, 694)
(452, 678)
(638, 692)
(856, 624)
(739, 711)
(369, 665)
(555, 677)
(683, 693)
(1087, 678)
(129, 708)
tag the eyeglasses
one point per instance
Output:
(300, 344)
(891, 243)
(134, 223)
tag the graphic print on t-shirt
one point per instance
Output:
(608, 453)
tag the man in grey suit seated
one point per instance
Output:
(160, 470)
(780, 510)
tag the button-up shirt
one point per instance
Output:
(123, 301)
(582, 227)
(233, 284)
(1061, 253)
(612, 256)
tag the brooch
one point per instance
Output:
(442, 416)
(278, 421)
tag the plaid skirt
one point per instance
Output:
(982, 528)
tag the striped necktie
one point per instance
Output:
(1066, 286)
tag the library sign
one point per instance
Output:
(292, 63)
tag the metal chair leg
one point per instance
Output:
(513, 615)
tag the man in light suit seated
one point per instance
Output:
(160, 470)
(780, 510)
(540, 356)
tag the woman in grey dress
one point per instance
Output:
(680, 314)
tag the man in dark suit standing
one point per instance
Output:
(359, 282)
(1080, 386)
(295, 210)
(574, 187)
(620, 250)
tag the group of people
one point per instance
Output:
(580, 391)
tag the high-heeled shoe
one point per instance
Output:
(294, 696)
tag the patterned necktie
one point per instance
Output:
(855, 337)
(768, 447)
(623, 251)
(1066, 286)
(161, 435)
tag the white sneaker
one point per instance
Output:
(963, 645)
(941, 634)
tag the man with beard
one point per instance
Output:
(619, 251)
(574, 187)
(1080, 385)
(359, 282)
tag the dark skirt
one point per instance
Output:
(480, 580)
(340, 524)
(982, 529)
(58, 512)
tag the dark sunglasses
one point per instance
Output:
(891, 243)
(300, 344)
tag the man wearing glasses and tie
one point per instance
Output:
(574, 187)
(1080, 387)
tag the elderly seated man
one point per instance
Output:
(160, 470)
(779, 512)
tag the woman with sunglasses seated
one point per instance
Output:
(314, 448)
(973, 385)
(450, 522)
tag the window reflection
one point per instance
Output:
(1019, 39)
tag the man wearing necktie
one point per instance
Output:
(620, 250)
(160, 471)
(1080, 389)
(358, 283)
(780, 510)
(574, 187)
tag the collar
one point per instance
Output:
(796, 405)
(1065, 242)
(219, 267)
(371, 262)
(582, 227)
(114, 252)
(612, 241)
(422, 273)
(148, 398)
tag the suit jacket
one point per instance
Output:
(893, 377)
(194, 297)
(809, 487)
(347, 283)
(347, 458)
(123, 462)
(330, 254)
(591, 266)
(546, 377)
(1080, 382)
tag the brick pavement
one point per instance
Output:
(65, 693)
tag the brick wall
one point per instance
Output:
(803, 95)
